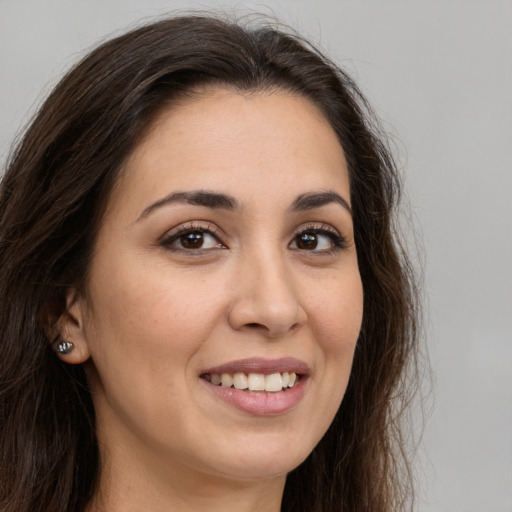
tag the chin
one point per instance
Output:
(265, 460)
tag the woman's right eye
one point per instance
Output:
(192, 239)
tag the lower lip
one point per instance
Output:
(261, 404)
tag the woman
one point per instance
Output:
(204, 303)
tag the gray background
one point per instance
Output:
(439, 74)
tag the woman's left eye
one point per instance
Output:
(317, 240)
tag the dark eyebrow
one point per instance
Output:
(315, 200)
(196, 197)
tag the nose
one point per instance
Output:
(266, 299)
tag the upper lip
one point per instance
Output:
(261, 365)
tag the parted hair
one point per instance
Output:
(54, 192)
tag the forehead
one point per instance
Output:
(238, 141)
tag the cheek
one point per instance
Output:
(144, 332)
(338, 312)
(338, 317)
(149, 311)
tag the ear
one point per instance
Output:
(69, 327)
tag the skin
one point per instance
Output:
(156, 314)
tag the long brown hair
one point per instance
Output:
(52, 198)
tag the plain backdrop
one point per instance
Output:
(439, 74)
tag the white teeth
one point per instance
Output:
(227, 380)
(240, 381)
(254, 381)
(273, 382)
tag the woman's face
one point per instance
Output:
(226, 254)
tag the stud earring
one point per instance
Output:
(64, 347)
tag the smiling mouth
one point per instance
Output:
(254, 382)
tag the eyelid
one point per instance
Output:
(203, 226)
(312, 226)
(338, 240)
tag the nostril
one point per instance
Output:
(254, 325)
(273, 317)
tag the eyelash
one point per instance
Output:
(171, 237)
(175, 234)
(338, 241)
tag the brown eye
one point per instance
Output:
(317, 240)
(192, 240)
(306, 241)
